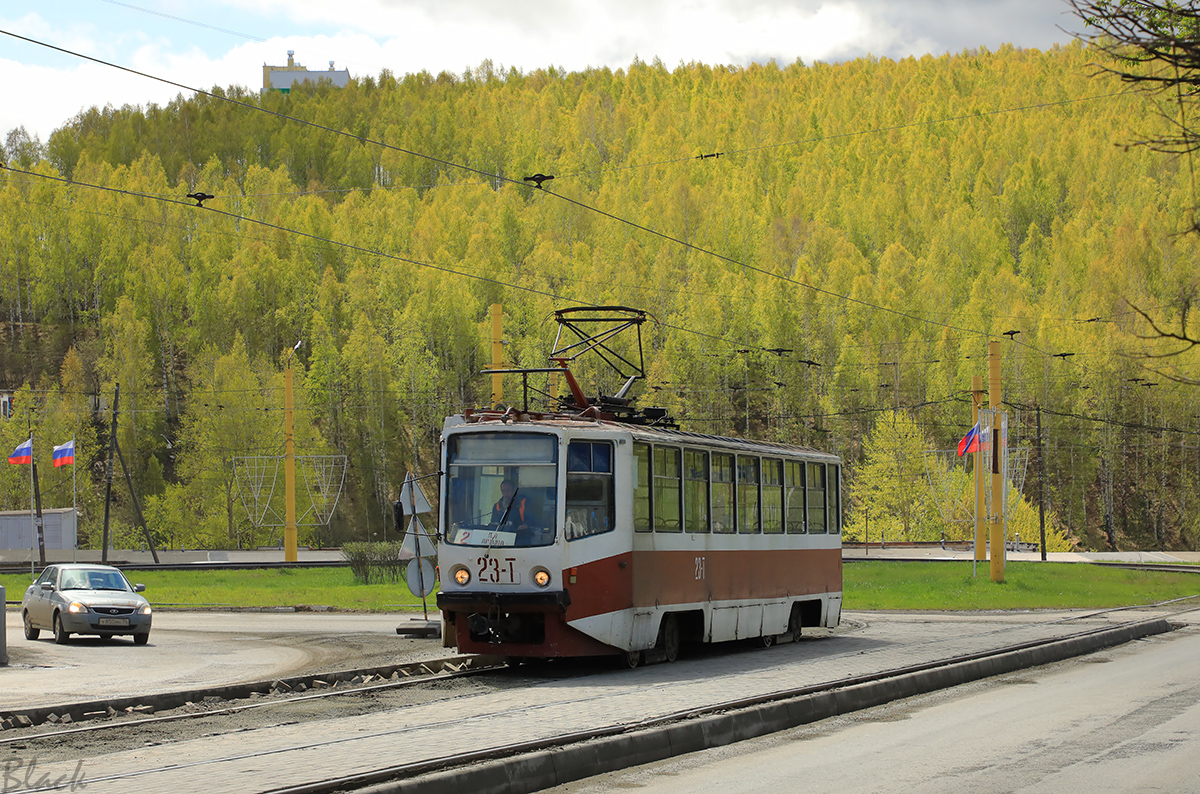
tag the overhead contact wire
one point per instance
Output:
(277, 227)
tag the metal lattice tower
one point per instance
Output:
(951, 484)
(255, 477)
(324, 476)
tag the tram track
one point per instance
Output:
(322, 686)
(673, 722)
(289, 690)
(375, 782)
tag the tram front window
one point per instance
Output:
(501, 489)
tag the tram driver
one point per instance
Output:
(515, 512)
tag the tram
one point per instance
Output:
(587, 532)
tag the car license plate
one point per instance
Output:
(114, 621)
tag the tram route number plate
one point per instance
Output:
(498, 570)
(114, 621)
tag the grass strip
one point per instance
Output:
(263, 587)
(867, 585)
(1026, 585)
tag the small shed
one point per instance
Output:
(58, 525)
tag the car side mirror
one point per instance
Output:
(139, 588)
(47, 586)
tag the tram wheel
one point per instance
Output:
(668, 637)
(767, 640)
(631, 659)
(794, 623)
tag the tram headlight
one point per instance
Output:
(462, 577)
(541, 577)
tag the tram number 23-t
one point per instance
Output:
(497, 571)
(699, 568)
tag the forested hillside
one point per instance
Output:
(831, 278)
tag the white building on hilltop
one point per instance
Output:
(281, 78)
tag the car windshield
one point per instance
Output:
(93, 580)
(502, 489)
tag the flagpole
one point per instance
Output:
(32, 525)
(74, 502)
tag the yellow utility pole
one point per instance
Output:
(497, 355)
(980, 534)
(996, 518)
(289, 466)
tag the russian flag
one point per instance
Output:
(64, 454)
(970, 442)
(22, 454)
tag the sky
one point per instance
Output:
(227, 42)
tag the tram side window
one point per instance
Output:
(748, 476)
(793, 496)
(816, 498)
(668, 512)
(834, 494)
(772, 496)
(695, 490)
(641, 488)
(722, 493)
(589, 488)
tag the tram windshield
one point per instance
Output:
(501, 489)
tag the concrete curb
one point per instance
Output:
(538, 768)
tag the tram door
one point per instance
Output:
(598, 577)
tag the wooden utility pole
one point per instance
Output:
(137, 506)
(114, 448)
(108, 470)
(1041, 482)
(41, 529)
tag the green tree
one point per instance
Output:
(890, 491)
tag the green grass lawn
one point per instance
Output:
(868, 585)
(334, 587)
(1026, 585)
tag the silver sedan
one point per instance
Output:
(85, 599)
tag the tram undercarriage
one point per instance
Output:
(519, 626)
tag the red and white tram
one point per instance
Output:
(570, 535)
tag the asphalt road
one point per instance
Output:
(1126, 719)
(192, 649)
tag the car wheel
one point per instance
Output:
(141, 639)
(61, 635)
(31, 633)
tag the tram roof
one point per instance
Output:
(659, 435)
(684, 437)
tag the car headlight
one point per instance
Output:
(76, 608)
(145, 610)
(541, 577)
(462, 576)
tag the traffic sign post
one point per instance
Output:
(421, 573)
